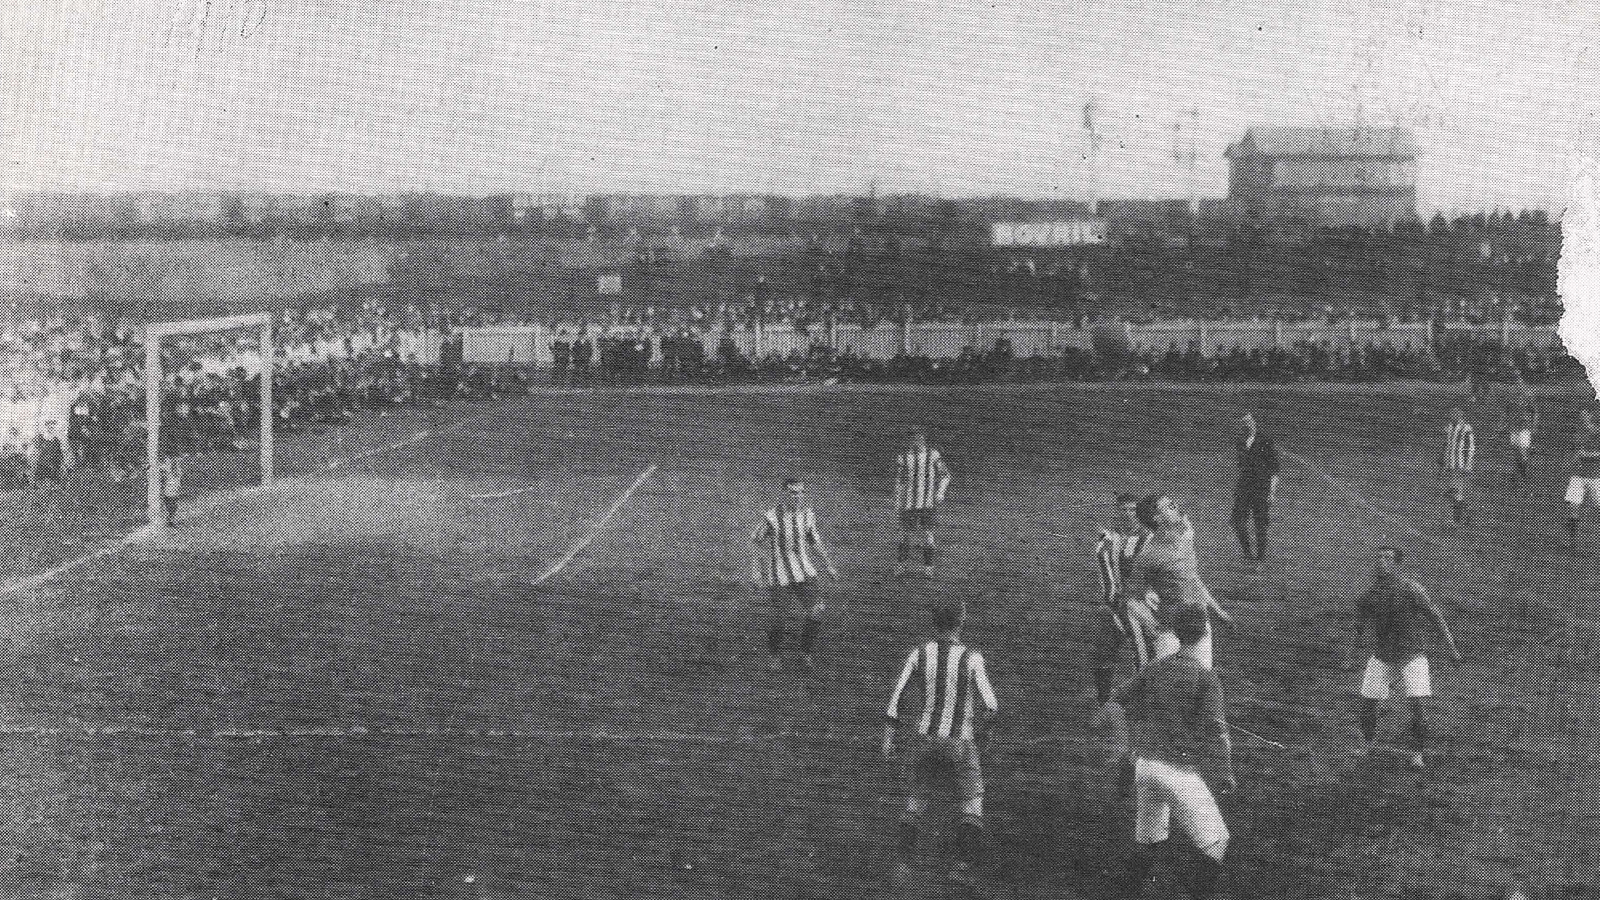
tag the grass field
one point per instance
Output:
(346, 686)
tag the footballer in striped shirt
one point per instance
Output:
(1123, 620)
(784, 542)
(1455, 463)
(950, 680)
(921, 478)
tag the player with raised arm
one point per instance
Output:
(1399, 612)
(948, 677)
(1178, 729)
(921, 478)
(1168, 566)
(782, 562)
(1455, 463)
(1124, 620)
(1583, 488)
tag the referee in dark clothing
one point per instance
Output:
(1258, 483)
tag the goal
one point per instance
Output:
(161, 446)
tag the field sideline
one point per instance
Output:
(348, 686)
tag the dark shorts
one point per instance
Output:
(919, 519)
(1251, 501)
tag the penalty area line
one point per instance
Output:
(503, 494)
(596, 528)
(1355, 495)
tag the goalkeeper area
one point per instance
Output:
(208, 389)
(353, 682)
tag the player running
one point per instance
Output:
(1455, 463)
(1253, 493)
(1178, 729)
(921, 478)
(1520, 419)
(1167, 565)
(1123, 620)
(1583, 488)
(947, 675)
(1399, 611)
(784, 541)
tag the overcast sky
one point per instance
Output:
(478, 96)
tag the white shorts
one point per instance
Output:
(1379, 681)
(1167, 644)
(1521, 438)
(1583, 490)
(1164, 791)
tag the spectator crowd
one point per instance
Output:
(74, 394)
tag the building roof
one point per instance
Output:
(1300, 141)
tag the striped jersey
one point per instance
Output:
(947, 674)
(787, 533)
(1459, 446)
(1113, 557)
(920, 479)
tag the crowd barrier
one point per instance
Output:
(531, 344)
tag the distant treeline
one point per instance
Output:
(936, 223)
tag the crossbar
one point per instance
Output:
(157, 330)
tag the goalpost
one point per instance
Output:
(154, 333)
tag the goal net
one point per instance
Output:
(208, 405)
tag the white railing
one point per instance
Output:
(531, 344)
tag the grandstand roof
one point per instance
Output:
(1302, 141)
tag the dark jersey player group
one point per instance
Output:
(624, 353)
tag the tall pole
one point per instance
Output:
(1091, 125)
(152, 415)
(266, 403)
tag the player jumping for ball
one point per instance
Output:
(948, 676)
(921, 478)
(1455, 463)
(784, 541)
(1400, 612)
(1583, 488)
(1177, 722)
(1168, 566)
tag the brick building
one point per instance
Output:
(1324, 176)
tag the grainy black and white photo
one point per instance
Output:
(502, 449)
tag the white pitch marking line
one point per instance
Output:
(503, 494)
(358, 731)
(378, 451)
(1356, 496)
(594, 530)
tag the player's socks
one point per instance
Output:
(1261, 540)
(908, 838)
(969, 842)
(1103, 679)
(1419, 732)
(808, 637)
(1137, 874)
(1369, 721)
(1242, 532)
(927, 557)
(775, 639)
(1204, 878)
(1572, 531)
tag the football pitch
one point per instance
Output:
(349, 685)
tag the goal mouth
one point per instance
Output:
(181, 425)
